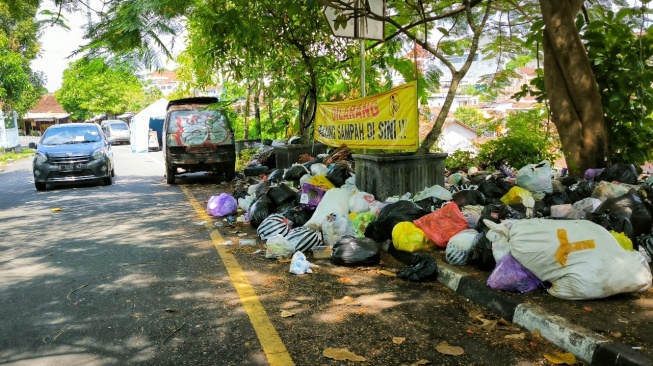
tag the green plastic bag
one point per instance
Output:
(361, 221)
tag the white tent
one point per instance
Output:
(140, 125)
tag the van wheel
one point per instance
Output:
(170, 174)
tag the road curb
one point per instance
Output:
(586, 345)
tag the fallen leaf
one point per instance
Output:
(532, 344)
(387, 273)
(616, 334)
(286, 314)
(587, 308)
(398, 340)
(341, 354)
(537, 334)
(418, 363)
(516, 336)
(469, 331)
(242, 234)
(56, 209)
(446, 349)
(561, 358)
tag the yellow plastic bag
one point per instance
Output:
(408, 237)
(623, 240)
(515, 195)
(321, 181)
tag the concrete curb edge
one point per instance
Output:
(583, 343)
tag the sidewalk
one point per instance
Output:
(612, 331)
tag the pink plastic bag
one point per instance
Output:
(222, 205)
(441, 225)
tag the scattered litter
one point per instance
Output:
(587, 308)
(242, 234)
(561, 358)
(637, 347)
(218, 224)
(80, 287)
(286, 314)
(446, 349)
(342, 354)
(172, 310)
(247, 242)
(56, 335)
(398, 340)
(201, 223)
(257, 251)
(227, 242)
(56, 209)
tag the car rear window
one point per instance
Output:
(195, 119)
(119, 126)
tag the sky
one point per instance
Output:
(57, 45)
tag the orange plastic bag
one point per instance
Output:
(442, 224)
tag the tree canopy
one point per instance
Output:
(94, 86)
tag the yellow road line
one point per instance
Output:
(274, 349)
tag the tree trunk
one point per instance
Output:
(571, 88)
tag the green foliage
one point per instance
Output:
(621, 61)
(528, 140)
(5, 156)
(20, 87)
(459, 161)
(94, 86)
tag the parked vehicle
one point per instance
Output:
(73, 152)
(197, 137)
(117, 129)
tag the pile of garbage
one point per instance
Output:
(580, 238)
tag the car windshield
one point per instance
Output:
(71, 135)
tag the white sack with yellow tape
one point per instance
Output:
(581, 259)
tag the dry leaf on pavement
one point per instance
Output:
(341, 354)
(561, 358)
(286, 314)
(446, 349)
(418, 363)
(398, 340)
(387, 273)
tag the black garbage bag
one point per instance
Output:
(540, 209)
(281, 194)
(276, 176)
(624, 173)
(262, 189)
(470, 197)
(308, 164)
(338, 174)
(239, 193)
(556, 198)
(580, 190)
(430, 204)
(381, 229)
(350, 251)
(260, 210)
(646, 242)
(496, 213)
(295, 213)
(494, 187)
(630, 206)
(295, 172)
(422, 269)
(481, 255)
(569, 181)
(613, 222)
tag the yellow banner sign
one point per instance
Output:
(382, 121)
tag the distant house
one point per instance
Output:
(47, 112)
(454, 135)
(167, 82)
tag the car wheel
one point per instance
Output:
(229, 172)
(39, 186)
(107, 181)
(170, 174)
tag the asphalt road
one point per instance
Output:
(136, 274)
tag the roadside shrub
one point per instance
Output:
(459, 160)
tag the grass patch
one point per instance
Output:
(7, 157)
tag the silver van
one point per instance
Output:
(117, 129)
